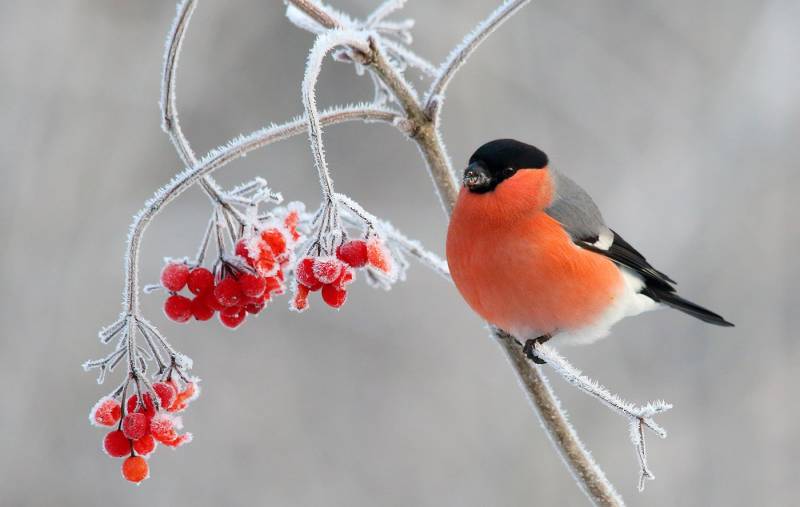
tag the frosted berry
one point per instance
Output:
(344, 279)
(200, 281)
(252, 286)
(232, 317)
(228, 292)
(274, 238)
(106, 412)
(135, 425)
(265, 263)
(187, 394)
(334, 296)
(305, 274)
(273, 285)
(144, 445)
(327, 269)
(200, 308)
(174, 276)
(162, 427)
(116, 444)
(241, 249)
(300, 301)
(377, 255)
(178, 308)
(353, 253)
(180, 440)
(135, 469)
(148, 409)
(291, 220)
(166, 394)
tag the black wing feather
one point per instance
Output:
(658, 286)
(623, 253)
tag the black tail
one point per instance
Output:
(673, 300)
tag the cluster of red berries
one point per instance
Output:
(330, 275)
(238, 288)
(143, 425)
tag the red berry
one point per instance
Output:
(162, 427)
(252, 286)
(274, 238)
(188, 393)
(200, 308)
(178, 308)
(304, 272)
(241, 249)
(166, 394)
(210, 301)
(344, 279)
(144, 445)
(232, 317)
(135, 425)
(228, 292)
(254, 308)
(135, 469)
(273, 284)
(334, 296)
(327, 269)
(300, 301)
(377, 255)
(116, 444)
(200, 281)
(180, 440)
(353, 252)
(291, 220)
(174, 276)
(148, 409)
(106, 412)
(265, 263)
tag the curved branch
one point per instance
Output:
(170, 122)
(318, 13)
(576, 457)
(213, 161)
(460, 54)
(322, 46)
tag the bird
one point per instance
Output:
(530, 252)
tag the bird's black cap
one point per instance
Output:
(498, 160)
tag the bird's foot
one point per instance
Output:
(529, 345)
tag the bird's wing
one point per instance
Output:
(575, 210)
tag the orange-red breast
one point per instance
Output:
(529, 251)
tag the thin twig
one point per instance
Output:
(471, 42)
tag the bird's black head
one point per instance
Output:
(499, 160)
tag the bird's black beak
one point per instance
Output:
(477, 179)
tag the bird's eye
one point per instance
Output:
(508, 171)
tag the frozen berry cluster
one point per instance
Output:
(141, 425)
(238, 285)
(330, 275)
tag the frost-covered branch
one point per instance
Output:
(639, 417)
(470, 43)
(322, 46)
(577, 458)
(170, 122)
(216, 159)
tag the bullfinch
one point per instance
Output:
(530, 252)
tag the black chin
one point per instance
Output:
(482, 188)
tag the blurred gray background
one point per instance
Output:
(682, 118)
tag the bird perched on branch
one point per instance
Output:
(529, 251)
